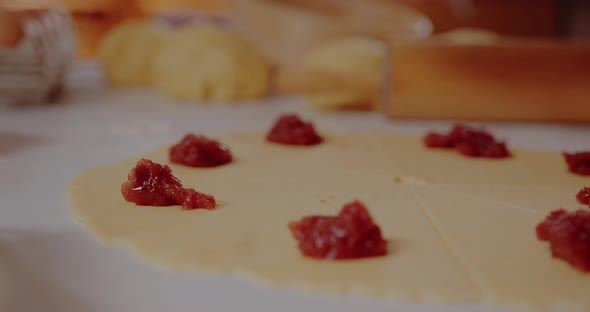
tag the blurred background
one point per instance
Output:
(459, 59)
(545, 18)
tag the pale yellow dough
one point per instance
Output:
(349, 56)
(470, 36)
(464, 233)
(128, 51)
(208, 63)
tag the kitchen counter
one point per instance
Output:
(47, 262)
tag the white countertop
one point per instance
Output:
(48, 263)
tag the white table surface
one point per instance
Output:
(48, 263)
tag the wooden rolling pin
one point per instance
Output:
(505, 79)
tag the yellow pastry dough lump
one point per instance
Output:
(206, 63)
(348, 54)
(127, 52)
(362, 57)
(471, 36)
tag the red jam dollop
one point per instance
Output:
(578, 163)
(152, 184)
(199, 151)
(569, 237)
(352, 234)
(584, 196)
(469, 142)
(292, 130)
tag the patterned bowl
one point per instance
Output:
(33, 71)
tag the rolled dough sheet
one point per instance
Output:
(455, 237)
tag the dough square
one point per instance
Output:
(498, 246)
(439, 166)
(95, 198)
(537, 199)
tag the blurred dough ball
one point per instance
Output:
(470, 36)
(127, 52)
(362, 57)
(349, 54)
(208, 63)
